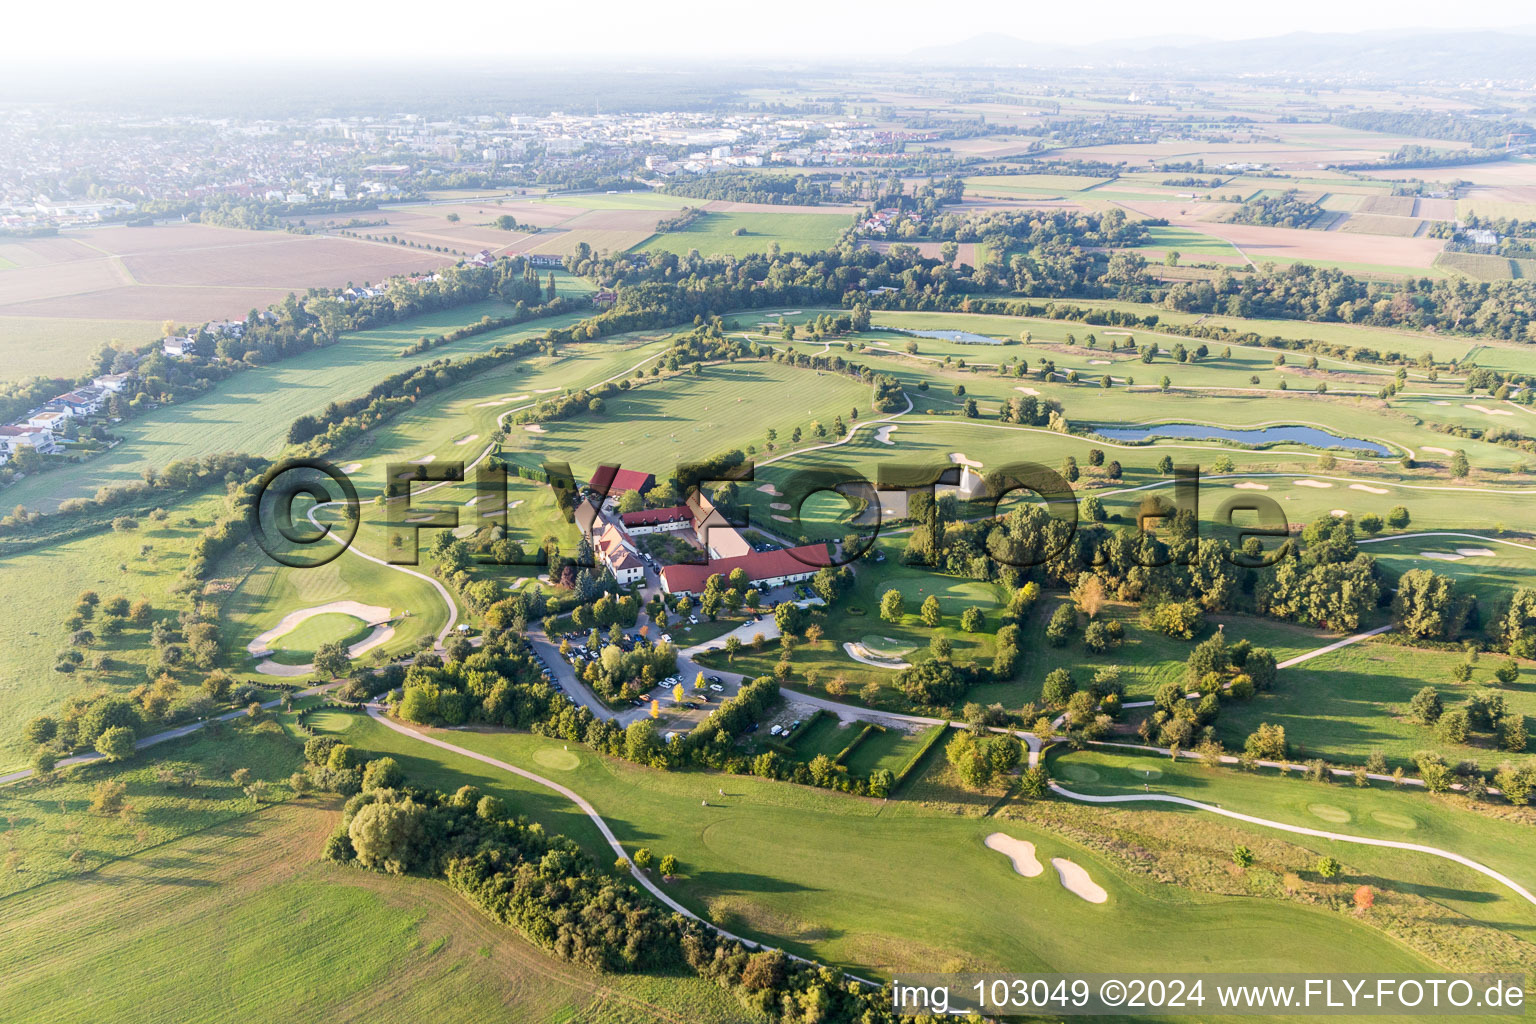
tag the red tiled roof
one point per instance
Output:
(652, 516)
(608, 480)
(759, 565)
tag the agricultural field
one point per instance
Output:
(43, 346)
(185, 272)
(739, 234)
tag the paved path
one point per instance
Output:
(597, 819)
(1335, 646)
(161, 737)
(1433, 851)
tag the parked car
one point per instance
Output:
(717, 687)
(775, 730)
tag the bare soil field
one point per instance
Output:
(1436, 209)
(1266, 243)
(726, 206)
(185, 272)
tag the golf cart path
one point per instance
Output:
(591, 812)
(1433, 851)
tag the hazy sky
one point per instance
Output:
(163, 30)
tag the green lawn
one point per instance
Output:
(330, 627)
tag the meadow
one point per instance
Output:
(250, 900)
(43, 584)
(1344, 705)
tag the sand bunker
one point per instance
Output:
(1338, 513)
(467, 440)
(1313, 483)
(1441, 402)
(1249, 485)
(427, 518)
(1098, 362)
(883, 435)
(369, 613)
(351, 467)
(1475, 552)
(1020, 851)
(780, 505)
(1074, 878)
(1437, 451)
(770, 490)
(858, 652)
(780, 519)
(1490, 412)
(959, 459)
(1027, 391)
(471, 501)
(423, 460)
(535, 428)
(1368, 489)
(1441, 556)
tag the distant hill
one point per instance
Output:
(1403, 54)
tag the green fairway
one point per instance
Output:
(717, 234)
(833, 877)
(686, 417)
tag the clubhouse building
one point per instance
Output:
(612, 537)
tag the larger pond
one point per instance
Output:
(958, 337)
(1313, 436)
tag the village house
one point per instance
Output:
(180, 348)
(79, 402)
(50, 420)
(113, 382)
(39, 438)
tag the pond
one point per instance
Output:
(1313, 436)
(958, 337)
